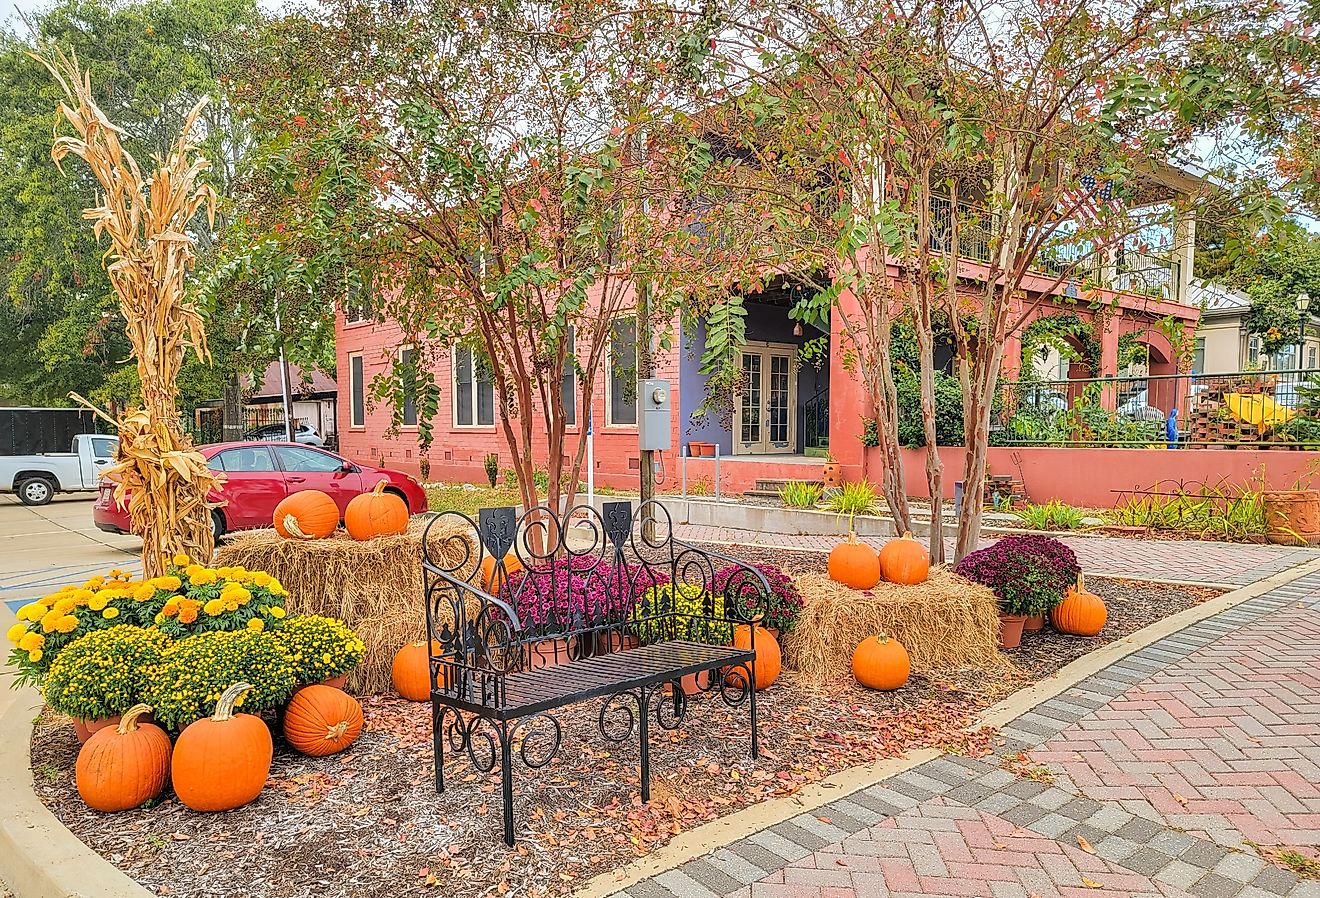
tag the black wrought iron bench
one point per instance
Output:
(588, 605)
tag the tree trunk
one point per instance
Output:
(231, 415)
(934, 465)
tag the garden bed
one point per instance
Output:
(368, 821)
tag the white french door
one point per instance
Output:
(765, 419)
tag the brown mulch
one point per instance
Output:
(369, 823)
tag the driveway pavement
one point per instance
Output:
(43, 548)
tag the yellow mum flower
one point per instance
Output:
(31, 642)
(100, 600)
(82, 596)
(180, 559)
(67, 624)
(256, 624)
(34, 656)
(144, 593)
(110, 613)
(277, 612)
(49, 621)
(168, 583)
(203, 577)
(277, 588)
(213, 607)
(187, 615)
(261, 578)
(31, 611)
(17, 632)
(64, 606)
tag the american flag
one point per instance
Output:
(1089, 198)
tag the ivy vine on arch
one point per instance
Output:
(1060, 327)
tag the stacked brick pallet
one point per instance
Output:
(1212, 423)
(1003, 491)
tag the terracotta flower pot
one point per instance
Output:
(613, 641)
(549, 652)
(832, 474)
(698, 449)
(1010, 630)
(338, 682)
(85, 728)
(1034, 624)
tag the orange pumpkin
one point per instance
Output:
(1081, 613)
(222, 761)
(122, 766)
(411, 672)
(769, 659)
(879, 662)
(491, 580)
(322, 720)
(306, 514)
(854, 564)
(905, 561)
(376, 513)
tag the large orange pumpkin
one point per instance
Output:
(1081, 613)
(854, 564)
(769, 659)
(122, 766)
(322, 720)
(222, 761)
(879, 662)
(411, 672)
(491, 580)
(306, 514)
(905, 561)
(376, 513)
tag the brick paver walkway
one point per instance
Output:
(1187, 561)
(1163, 763)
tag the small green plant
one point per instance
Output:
(1306, 867)
(49, 772)
(700, 486)
(492, 468)
(542, 480)
(800, 494)
(1053, 515)
(853, 499)
(1216, 512)
(320, 647)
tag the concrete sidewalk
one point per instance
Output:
(1166, 767)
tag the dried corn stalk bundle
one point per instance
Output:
(149, 255)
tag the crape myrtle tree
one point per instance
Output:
(984, 150)
(500, 179)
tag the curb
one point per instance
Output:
(39, 858)
(703, 839)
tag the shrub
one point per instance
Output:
(1029, 574)
(572, 594)
(685, 610)
(492, 468)
(785, 602)
(104, 673)
(1053, 515)
(948, 408)
(319, 647)
(798, 494)
(192, 673)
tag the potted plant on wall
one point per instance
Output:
(1029, 575)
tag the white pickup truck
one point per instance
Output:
(37, 478)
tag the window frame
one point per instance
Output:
(279, 461)
(475, 407)
(403, 412)
(569, 385)
(609, 377)
(357, 314)
(357, 385)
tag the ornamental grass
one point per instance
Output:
(945, 622)
(374, 586)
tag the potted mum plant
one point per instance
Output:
(1029, 575)
(783, 606)
(100, 676)
(324, 650)
(690, 609)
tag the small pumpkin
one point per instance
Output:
(492, 580)
(120, 767)
(855, 564)
(904, 561)
(306, 514)
(1081, 613)
(880, 662)
(322, 720)
(376, 513)
(769, 659)
(222, 761)
(411, 672)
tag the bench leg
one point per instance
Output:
(438, 743)
(644, 728)
(756, 747)
(506, 785)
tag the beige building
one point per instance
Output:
(1223, 344)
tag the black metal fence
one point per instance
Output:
(1253, 409)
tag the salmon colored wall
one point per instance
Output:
(1090, 477)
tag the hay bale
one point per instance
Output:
(945, 622)
(374, 586)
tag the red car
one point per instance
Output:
(259, 474)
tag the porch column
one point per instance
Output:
(849, 404)
(1184, 253)
(1108, 360)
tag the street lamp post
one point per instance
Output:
(1303, 305)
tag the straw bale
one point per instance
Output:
(374, 586)
(945, 622)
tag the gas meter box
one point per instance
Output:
(655, 418)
